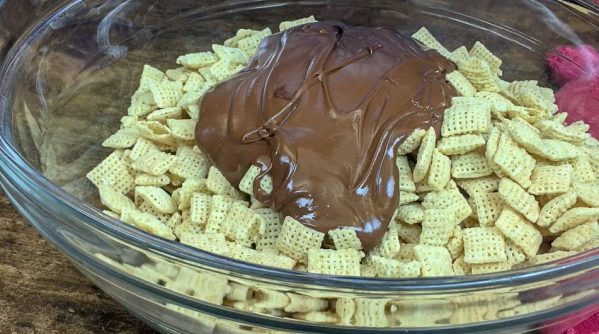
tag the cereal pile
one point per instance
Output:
(506, 185)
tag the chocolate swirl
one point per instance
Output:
(322, 108)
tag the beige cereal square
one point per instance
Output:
(488, 207)
(519, 231)
(439, 172)
(555, 208)
(461, 84)
(575, 238)
(411, 213)
(113, 172)
(518, 199)
(437, 227)
(470, 165)
(334, 262)
(483, 245)
(346, 238)
(434, 261)
(574, 217)
(296, 239)
(411, 142)
(551, 179)
(425, 155)
(466, 119)
(514, 161)
(460, 144)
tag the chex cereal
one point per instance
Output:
(503, 182)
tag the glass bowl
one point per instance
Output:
(67, 80)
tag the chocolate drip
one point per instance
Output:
(322, 109)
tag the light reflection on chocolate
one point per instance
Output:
(322, 108)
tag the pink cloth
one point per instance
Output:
(578, 76)
(576, 69)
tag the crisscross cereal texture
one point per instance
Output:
(503, 183)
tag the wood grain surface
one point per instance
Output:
(42, 292)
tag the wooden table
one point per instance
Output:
(42, 292)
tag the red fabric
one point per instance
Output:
(576, 68)
(578, 76)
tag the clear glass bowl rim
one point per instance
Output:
(89, 215)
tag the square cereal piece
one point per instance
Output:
(556, 130)
(588, 192)
(449, 200)
(142, 147)
(271, 229)
(439, 172)
(518, 199)
(334, 262)
(551, 179)
(466, 119)
(249, 44)
(229, 54)
(242, 224)
(406, 182)
(476, 186)
(519, 231)
(480, 74)
(460, 54)
(182, 129)
(389, 245)
(406, 252)
(290, 24)
(411, 142)
(460, 267)
(152, 180)
(197, 60)
(547, 257)
(425, 155)
(162, 115)
(112, 172)
(483, 245)
(345, 308)
(470, 165)
(147, 222)
(409, 233)
(499, 104)
(345, 238)
(514, 254)
(434, 261)
(183, 195)
(487, 268)
(555, 208)
(393, 268)
(154, 163)
(219, 208)
(149, 74)
(461, 83)
(218, 184)
(577, 237)
(191, 163)
(114, 200)
(210, 242)
(200, 208)
(246, 184)
(573, 218)
(514, 160)
(437, 227)
(488, 207)
(583, 170)
(455, 246)
(123, 138)
(303, 304)
(481, 52)
(296, 239)
(406, 197)
(166, 93)
(157, 198)
(426, 38)
(460, 144)
(411, 214)
(194, 82)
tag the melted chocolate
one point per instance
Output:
(322, 109)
